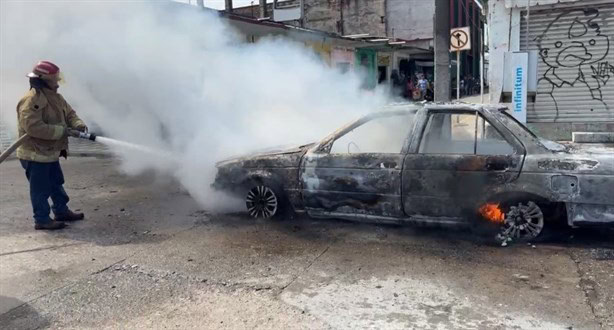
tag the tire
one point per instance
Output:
(265, 200)
(525, 221)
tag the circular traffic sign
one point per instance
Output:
(458, 39)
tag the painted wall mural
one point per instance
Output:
(575, 51)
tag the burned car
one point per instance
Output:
(440, 164)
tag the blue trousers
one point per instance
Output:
(46, 180)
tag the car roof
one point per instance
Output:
(464, 106)
(401, 108)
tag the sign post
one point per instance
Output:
(459, 40)
(457, 74)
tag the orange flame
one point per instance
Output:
(492, 213)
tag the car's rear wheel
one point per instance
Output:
(524, 221)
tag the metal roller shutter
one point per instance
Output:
(575, 65)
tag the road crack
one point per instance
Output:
(588, 287)
(306, 268)
(53, 247)
(109, 266)
(67, 285)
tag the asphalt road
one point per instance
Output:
(148, 256)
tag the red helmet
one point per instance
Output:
(45, 70)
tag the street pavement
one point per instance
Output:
(147, 256)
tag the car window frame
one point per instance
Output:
(325, 146)
(511, 144)
(517, 149)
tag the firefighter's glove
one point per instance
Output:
(72, 132)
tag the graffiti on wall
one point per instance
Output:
(576, 58)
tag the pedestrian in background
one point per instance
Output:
(422, 86)
(412, 89)
(430, 95)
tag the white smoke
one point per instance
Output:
(177, 80)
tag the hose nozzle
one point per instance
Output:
(82, 135)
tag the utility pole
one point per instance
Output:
(262, 8)
(441, 31)
(228, 6)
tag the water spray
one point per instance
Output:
(116, 144)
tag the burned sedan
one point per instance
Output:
(446, 164)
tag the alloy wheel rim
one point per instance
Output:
(525, 221)
(261, 202)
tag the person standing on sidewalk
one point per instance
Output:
(45, 116)
(422, 86)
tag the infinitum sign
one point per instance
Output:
(518, 65)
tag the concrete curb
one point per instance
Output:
(592, 137)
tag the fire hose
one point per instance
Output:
(16, 144)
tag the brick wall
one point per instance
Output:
(359, 16)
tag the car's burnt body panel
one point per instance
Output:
(280, 167)
(368, 184)
(453, 185)
(437, 187)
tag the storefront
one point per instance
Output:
(342, 59)
(322, 49)
(366, 65)
(384, 59)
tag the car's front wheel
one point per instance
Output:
(265, 201)
(261, 202)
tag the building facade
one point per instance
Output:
(342, 53)
(409, 22)
(573, 46)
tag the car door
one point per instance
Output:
(458, 157)
(357, 174)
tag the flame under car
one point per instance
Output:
(438, 164)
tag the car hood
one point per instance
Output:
(575, 157)
(279, 152)
(576, 148)
(582, 148)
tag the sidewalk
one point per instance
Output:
(472, 98)
(5, 137)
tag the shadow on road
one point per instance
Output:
(19, 315)
(318, 229)
(584, 237)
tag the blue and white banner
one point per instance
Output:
(519, 66)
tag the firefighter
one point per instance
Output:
(45, 116)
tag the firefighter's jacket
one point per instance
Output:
(45, 115)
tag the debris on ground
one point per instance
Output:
(602, 254)
(520, 277)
